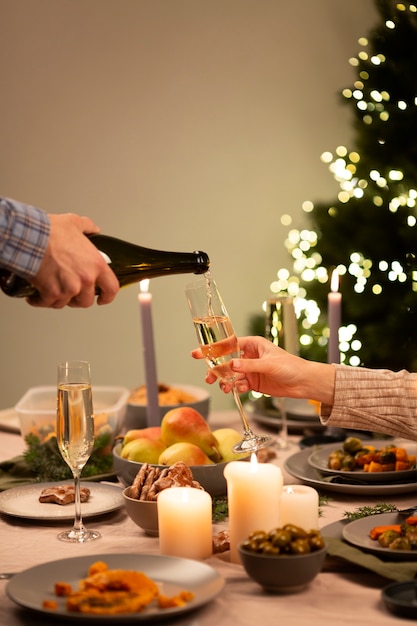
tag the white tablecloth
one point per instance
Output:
(338, 596)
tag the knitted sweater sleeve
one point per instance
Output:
(377, 400)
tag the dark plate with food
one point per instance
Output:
(371, 461)
(358, 533)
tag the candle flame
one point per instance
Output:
(290, 490)
(144, 285)
(334, 284)
(253, 462)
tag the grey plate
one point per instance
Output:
(31, 587)
(24, 502)
(319, 460)
(297, 409)
(298, 466)
(357, 534)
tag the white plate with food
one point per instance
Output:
(24, 501)
(357, 534)
(35, 586)
(319, 459)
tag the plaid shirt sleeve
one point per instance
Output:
(24, 234)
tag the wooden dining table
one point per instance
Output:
(342, 594)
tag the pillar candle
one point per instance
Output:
(334, 315)
(300, 506)
(145, 304)
(253, 492)
(185, 522)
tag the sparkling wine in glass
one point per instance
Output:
(219, 345)
(75, 434)
(281, 329)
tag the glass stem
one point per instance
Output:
(246, 428)
(78, 522)
(284, 427)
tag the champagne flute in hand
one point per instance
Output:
(75, 434)
(219, 345)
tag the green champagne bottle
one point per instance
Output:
(130, 263)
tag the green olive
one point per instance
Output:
(316, 541)
(280, 537)
(258, 535)
(300, 546)
(296, 531)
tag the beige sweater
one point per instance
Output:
(379, 400)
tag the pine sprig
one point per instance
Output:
(46, 463)
(365, 511)
(220, 510)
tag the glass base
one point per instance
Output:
(252, 443)
(78, 536)
(282, 443)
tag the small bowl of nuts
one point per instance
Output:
(284, 559)
(143, 512)
(141, 497)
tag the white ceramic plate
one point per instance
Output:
(319, 460)
(357, 534)
(297, 465)
(24, 502)
(31, 587)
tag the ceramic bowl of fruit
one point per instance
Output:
(169, 397)
(184, 435)
(284, 559)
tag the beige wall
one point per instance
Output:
(176, 124)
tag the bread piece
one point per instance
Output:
(63, 494)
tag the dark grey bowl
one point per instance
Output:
(210, 477)
(283, 572)
(144, 513)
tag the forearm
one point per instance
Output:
(24, 234)
(377, 400)
(317, 381)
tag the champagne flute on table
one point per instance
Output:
(219, 345)
(281, 329)
(75, 434)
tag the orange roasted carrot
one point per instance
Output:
(375, 532)
(412, 520)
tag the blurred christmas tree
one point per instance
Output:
(369, 233)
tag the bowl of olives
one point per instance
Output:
(284, 559)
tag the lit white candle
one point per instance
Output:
(299, 506)
(334, 314)
(145, 304)
(253, 493)
(185, 522)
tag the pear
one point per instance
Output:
(152, 432)
(186, 452)
(226, 439)
(185, 424)
(143, 450)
